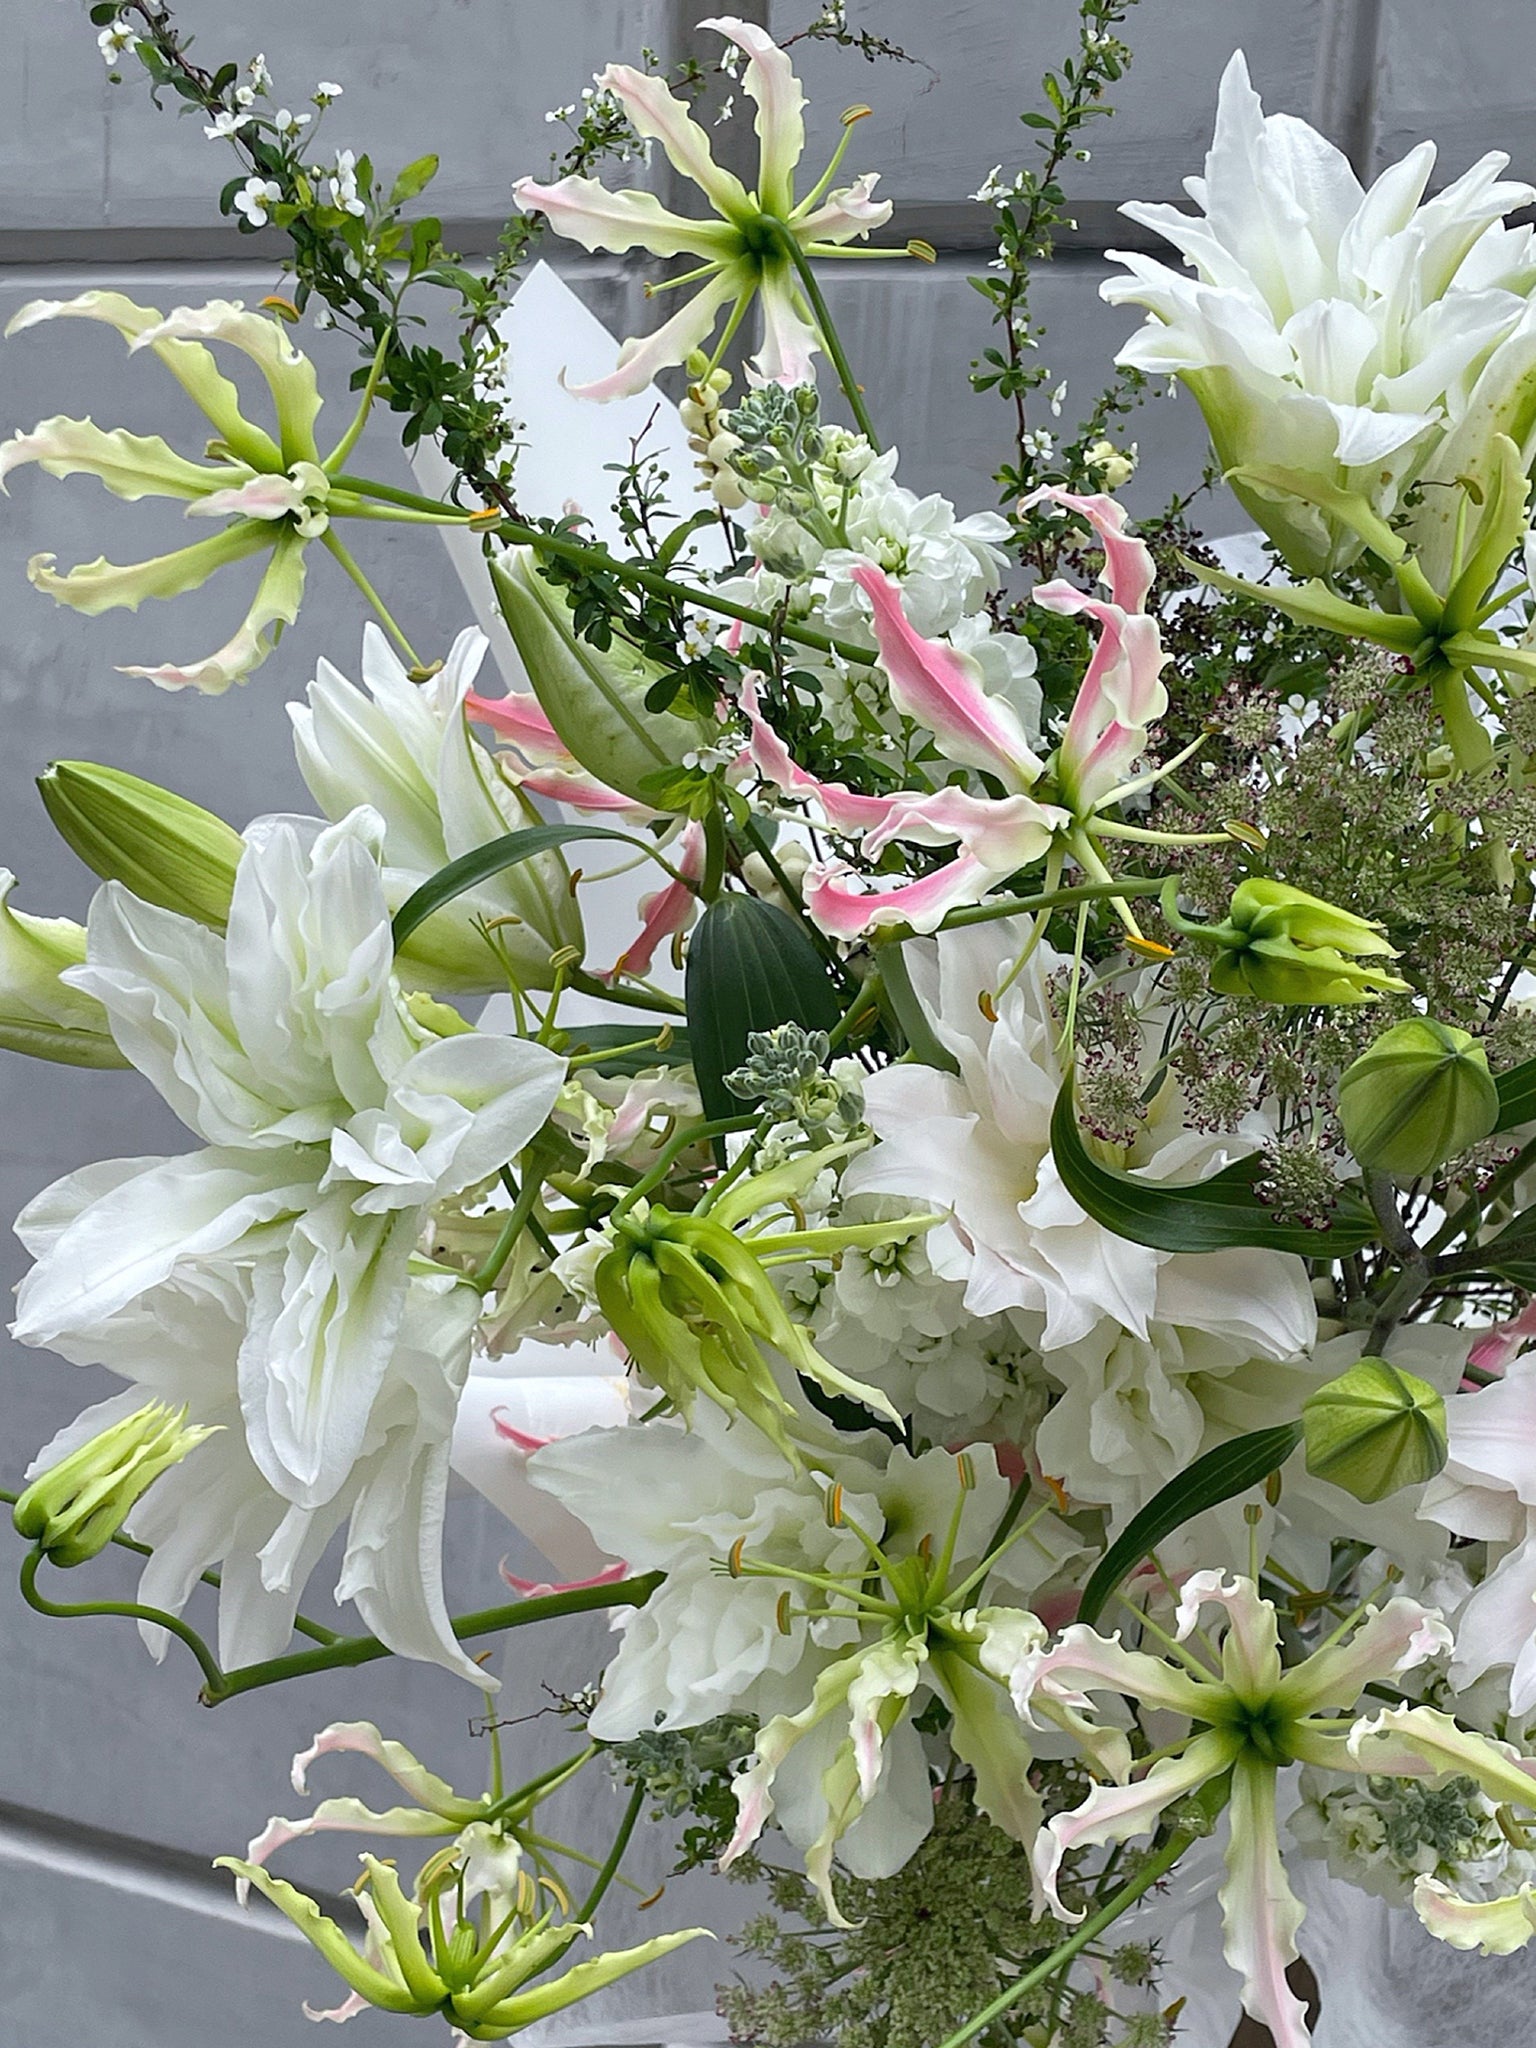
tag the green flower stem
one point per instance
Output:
(1053, 899)
(694, 1134)
(344, 556)
(1151, 1872)
(811, 286)
(518, 1216)
(625, 998)
(615, 1856)
(352, 1650)
(637, 573)
(315, 1630)
(128, 1608)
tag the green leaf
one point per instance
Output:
(416, 177)
(1517, 1096)
(1220, 1475)
(750, 966)
(471, 869)
(1219, 1214)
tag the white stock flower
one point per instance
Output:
(1333, 333)
(977, 1143)
(331, 1124)
(405, 749)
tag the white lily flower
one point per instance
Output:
(1330, 334)
(745, 251)
(977, 1143)
(769, 1608)
(406, 750)
(331, 1125)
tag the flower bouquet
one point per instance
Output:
(1045, 1194)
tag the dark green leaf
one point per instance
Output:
(1517, 1096)
(471, 869)
(750, 966)
(1219, 1214)
(1219, 1476)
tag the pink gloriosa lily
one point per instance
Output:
(746, 250)
(1251, 1717)
(1049, 808)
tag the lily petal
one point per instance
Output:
(289, 374)
(780, 124)
(847, 905)
(641, 357)
(1391, 1639)
(362, 1738)
(1082, 1661)
(658, 114)
(275, 604)
(1250, 1652)
(942, 690)
(102, 586)
(665, 911)
(1496, 1927)
(1260, 1912)
(1419, 1742)
(132, 466)
(585, 211)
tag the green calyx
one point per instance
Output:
(74, 1509)
(1281, 945)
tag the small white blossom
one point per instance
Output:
(115, 38)
(255, 199)
(225, 123)
(343, 184)
(261, 77)
(290, 125)
(325, 92)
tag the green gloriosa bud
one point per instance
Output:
(1281, 945)
(1418, 1096)
(74, 1509)
(40, 1014)
(594, 698)
(1375, 1429)
(164, 848)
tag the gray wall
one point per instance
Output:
(115, 1787)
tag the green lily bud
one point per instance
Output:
(1419, 1095)
(594, 698)
(1375, 1429)
(1281, 945)
(164, 848)
(75, 1508)
(40, 1014)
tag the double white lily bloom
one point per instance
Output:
(271, 1279)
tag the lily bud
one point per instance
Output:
(1375, 1429)
(40, 1014)
(1418, 1096)
(1281, 945)
(594, 698)
(164, 848)
(75, 1508)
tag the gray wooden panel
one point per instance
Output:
(940, 125)
(470, 79)
(1462, 75)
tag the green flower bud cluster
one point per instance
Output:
(1374, 1430)
(1418, 1096)
(74, 1509)
(787, 1072)
(1280, 945)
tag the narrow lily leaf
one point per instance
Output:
(1219, 1214)
(1222, 1474)
(471, 869)
(1517, 1096)
(751, 966)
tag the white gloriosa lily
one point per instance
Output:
(474, 1931)
(275, 493)
(331, 1124)
(1249, 1718)
(405, 749)
(1050, 809)
(751, 249)
(1336, 338)
(827, 1604)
